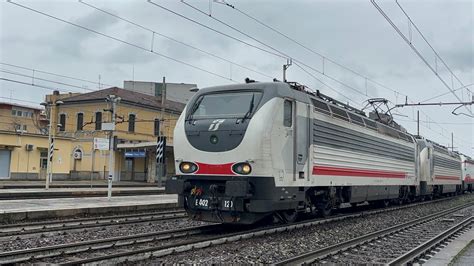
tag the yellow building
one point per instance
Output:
(22, 119)
(80, 119)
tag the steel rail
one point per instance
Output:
(56, 250)
(422, 249)
(48, 226)
(232, 237)
(312, 256)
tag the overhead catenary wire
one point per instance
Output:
(154, 32)
(294, 60)
(325, 84)
(42, 79)
(410, 44)
(274, 51)
(325, 58)
(446, 93)
(125, 41)
(121, 41)
(306, 47)
(55, 74)
(53, 89)
(429, 44)
(286, 55)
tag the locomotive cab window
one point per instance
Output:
(287, 113)
(238, 104)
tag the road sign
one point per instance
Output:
(101, 144)
(108, 126)
(135, 154)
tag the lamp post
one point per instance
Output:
(49, 167)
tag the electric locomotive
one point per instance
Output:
(249, 151)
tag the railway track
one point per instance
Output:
(74, 249)
(159, 244)
(396, 245)
(81, 223)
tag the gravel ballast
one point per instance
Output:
(276, 247)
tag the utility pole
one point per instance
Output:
(285, 67)
(51, 133)
(452, 141)
(113, 100)
(161, 165)
(163, 99)
(49, 166)
(418, 122)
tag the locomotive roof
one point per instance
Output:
(304, 94)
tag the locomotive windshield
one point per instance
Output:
(239, 104)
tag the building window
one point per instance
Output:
(157, 127)
(24, 127)
(19, 113)
(13, 112)
(98, 121)
(287, 114)
(131, 123)
(80, 121)
(62, 122)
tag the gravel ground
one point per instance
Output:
(276, 247)
(71, 236)
(384, 250)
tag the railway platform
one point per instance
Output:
(75, 192)
(459, 252)
(16, 184)
(26, 209)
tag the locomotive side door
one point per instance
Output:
(288, 145)
(301, 141)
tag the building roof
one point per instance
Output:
(22, 106)
(129, 97)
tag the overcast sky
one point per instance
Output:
(352, 33)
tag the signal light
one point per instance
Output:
(188, 167)
(242, 168)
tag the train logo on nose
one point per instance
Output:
(215, 124)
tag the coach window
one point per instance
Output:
(287, 115)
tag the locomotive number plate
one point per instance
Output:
(201, 203)
(227, 204)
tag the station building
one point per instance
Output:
(79, 121)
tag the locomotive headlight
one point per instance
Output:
(242, 168)
(187, 167)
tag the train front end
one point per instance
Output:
(218, 143)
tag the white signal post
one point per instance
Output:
(49, 166)
(113, 99)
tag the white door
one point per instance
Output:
(5, 164)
